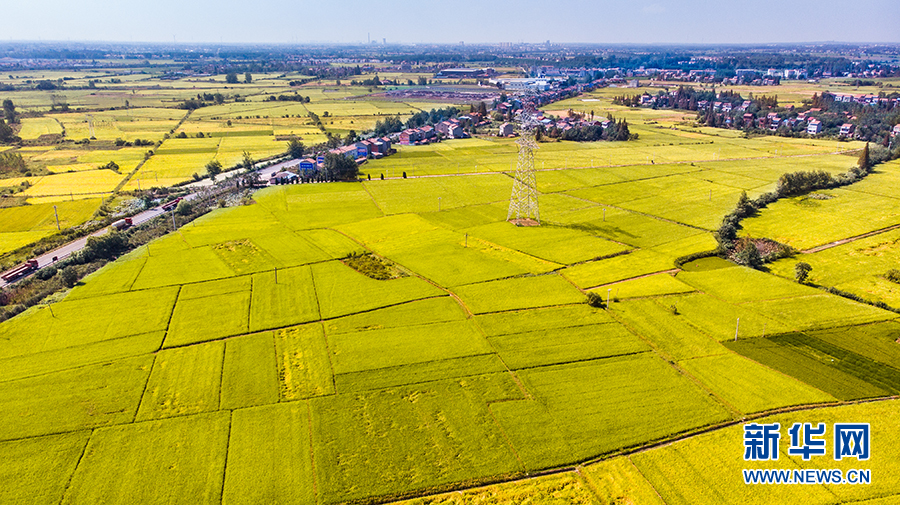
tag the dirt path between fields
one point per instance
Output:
(850, 239)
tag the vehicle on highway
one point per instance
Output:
(24, 268)
(122, 224)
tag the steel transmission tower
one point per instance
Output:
(523, 204)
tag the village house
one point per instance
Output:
(847, 129)
(814, 127)
(506, 129)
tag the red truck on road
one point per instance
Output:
(20, 270)
(121, 224)
(170, 205)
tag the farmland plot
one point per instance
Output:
(183, 381)
(133, 463)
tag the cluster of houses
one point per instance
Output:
(451, 128)
(871, 100)
(358, 151)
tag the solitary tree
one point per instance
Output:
(213, 168)
(6, 133)
(864, 158)
(69, 276)
(9, 111)
(338, 167)
(248, 78)
(231, 78)
(247, 161)
(295, 149)
(801, 271)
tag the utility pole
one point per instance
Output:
(55, 213)
(736, 328)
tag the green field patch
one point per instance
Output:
(651, 285)
(214, 288)
(209, 318)
(847, 213)
(41, 217)
(243, 256)
(453, 261)
(230, 224)
(750, 387)
(39, 363)
(334, 244)
(283, 298)
(604, 405)
(701, 243)
(303, 360)
(167, 267)
(518, 293)
(86, 397)
(79, 322)
(85, 184)
(115, 277)
(627, 227)
(10, 241)
(37, 470)
(668, 332)
(287, 249)
(838, 372)
(33, 128)
(184, 381)
(269, 456)
(742, 284)
(371, 445)
(182, 466)
(421, 372)
(877, 342)
(858, 266)
(719, 319)
(820, 312)
(541, 319)
(392, 347)
(306, 206)
(625, 266)
(563, 345)
(465, 217)
(432, 310)
(249, 374)
(342, 291)
(559, 245)
(401, 196)
(706, 264)
(394, 228)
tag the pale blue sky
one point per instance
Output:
(452, 21)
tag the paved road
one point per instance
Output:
(63, 252)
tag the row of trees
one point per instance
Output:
(615, 131)
(232, 78)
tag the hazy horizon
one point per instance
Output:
(691, 22)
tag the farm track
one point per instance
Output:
(651, 274)
(850, 239)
